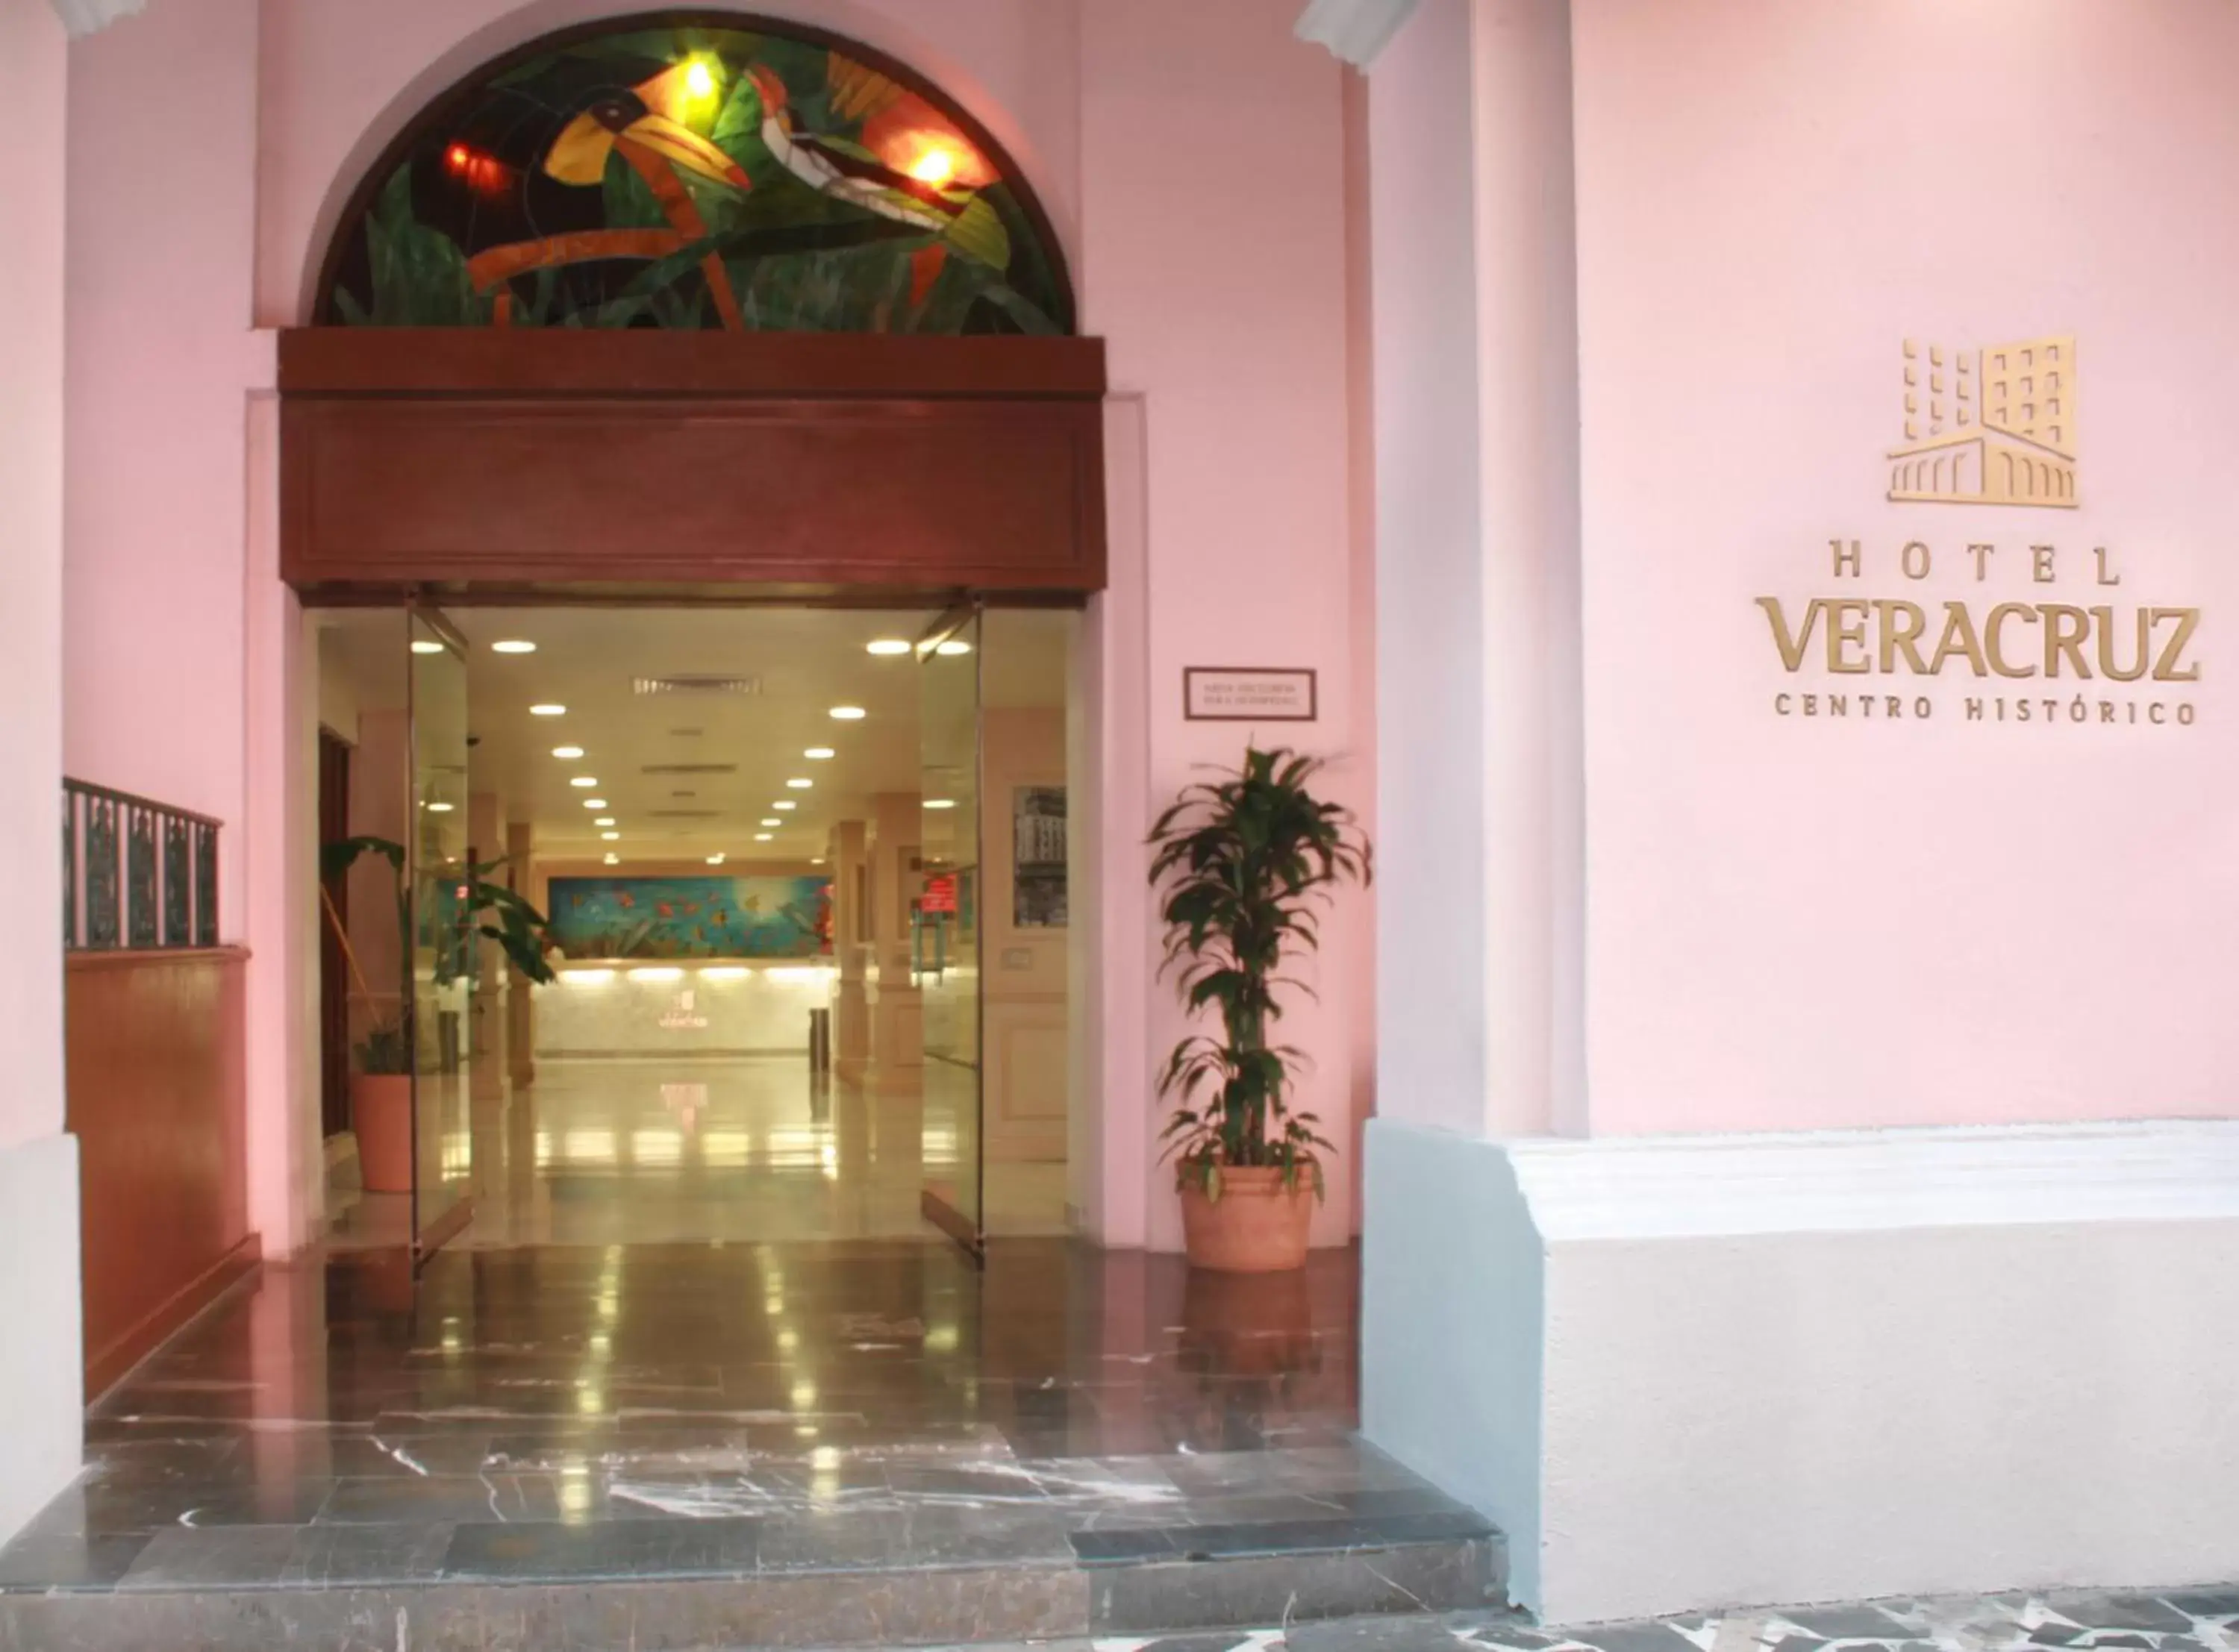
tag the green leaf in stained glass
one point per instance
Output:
(628, 200)
(738, 128)
(419, 274)
(978, 233)
(1029, 315)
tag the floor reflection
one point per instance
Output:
(701, 1294)
(825, 1389)
(751, 1150)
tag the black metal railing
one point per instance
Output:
(136, 873)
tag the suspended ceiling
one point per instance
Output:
(688, 772)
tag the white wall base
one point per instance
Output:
(1684, 1373)
(41, 1343)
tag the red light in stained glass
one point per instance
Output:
(480, 171)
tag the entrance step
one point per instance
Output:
(706, 1446)
(946, 1577)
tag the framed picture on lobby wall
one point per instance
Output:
(673, 917)
(1037, 857)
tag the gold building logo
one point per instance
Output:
(1994, 426)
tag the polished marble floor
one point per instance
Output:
(1079, 1431)
(752, 1149)
(698, 1374)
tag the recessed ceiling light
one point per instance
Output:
(941, 803)
(887, 645)
(584, 781)
(548, 710)
(567, 753)
(514, 644)
(954, 647)
(848, 713)
(762, 837)
(819, 754)
(611, 837)
(426, 645)
(613, 859)
(715, 860)
(798, 785)
(604, 819)
(771, 819)
(594, 803)
(816, 861)
(440, 808)
(785, 803)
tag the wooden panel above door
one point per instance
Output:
(550, 461)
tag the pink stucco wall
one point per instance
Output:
(161, 158)
(1245, 404)
(33, 72)
(41, 1397)
(1799, 923)
(181, 651)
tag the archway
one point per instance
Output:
(703, 269)
(694, 312)
(702, 170)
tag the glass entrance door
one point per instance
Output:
(440, 931)
(948, 922)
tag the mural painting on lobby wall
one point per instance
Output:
(678, 917)
(688, 177)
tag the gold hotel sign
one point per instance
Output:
(1995, 425)
(1990, 426)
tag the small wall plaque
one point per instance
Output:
(1248, 695)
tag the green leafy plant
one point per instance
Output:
(459, 901)
(1247, 862)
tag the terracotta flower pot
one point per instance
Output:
(380, 1114)
(1257, 1226)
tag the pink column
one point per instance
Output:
(40, 1352)
(1216, 166)
(1532, 779)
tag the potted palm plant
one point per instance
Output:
(1246, 862)
(464, 901)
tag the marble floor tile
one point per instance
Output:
(618, 1373)
(218, 1557)
(37, 1564)
(631, 1549)
(497, 1498)
(893, 1539)
(335, 1556)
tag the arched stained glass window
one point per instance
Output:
(711, 172)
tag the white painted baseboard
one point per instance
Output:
(1688, 1373)
(42, 1339)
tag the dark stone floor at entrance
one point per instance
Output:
(805, 1443)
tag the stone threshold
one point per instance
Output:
(1148, 1581)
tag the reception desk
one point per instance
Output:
(657, 1011)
